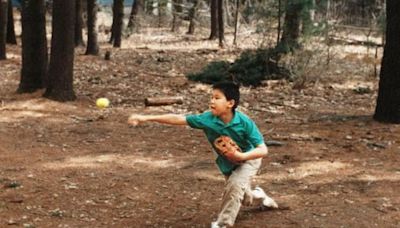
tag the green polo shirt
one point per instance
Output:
(241, 129)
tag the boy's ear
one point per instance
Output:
(231, 103)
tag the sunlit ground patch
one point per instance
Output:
(307, 169)
(14, 116)
(15, 111)
(112, 159)
(326, 171)
(380, 176)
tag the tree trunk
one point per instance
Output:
(193, 16)
(78, 24)
(177, 12)
(92, 45)
(214, 19)
(134, 18)
(291, 27)
(149, 6)
(119, 16)
(388, 101)
(60, 86)
(227, 15)
(278, 38)
(307, 16)
(162, 11)
(113, 24)
(34, 47)
(221, 23)
(3, 28)
(11, 38)
(236, 22)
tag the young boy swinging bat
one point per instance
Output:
(238, 143)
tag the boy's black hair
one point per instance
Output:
(230, 90)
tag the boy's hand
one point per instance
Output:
(136, 119)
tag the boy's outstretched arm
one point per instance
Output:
(258, 152)
(172, 119)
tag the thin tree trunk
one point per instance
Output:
(214, 19)
(162, 8)
(236, 22)
(11, 38)
(3, 28)
(92, 45)
(177, 12)
(119, 15)
(291, 28)
(279, 22)
(136, 13)
(388, 101)
(34, 47)
(221, 23)
(78, 24)
(193, 17)
(149, 6)
(227, 15)
(60, 86)
(114, 15)
(307, 16)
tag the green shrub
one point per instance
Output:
(250, 69)
(212, 73)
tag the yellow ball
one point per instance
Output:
(102, 102)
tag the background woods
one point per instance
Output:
(318, 76)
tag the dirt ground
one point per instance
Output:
(73, 165)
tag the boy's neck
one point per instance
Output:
(227, 117)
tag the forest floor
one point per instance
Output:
(73, 165)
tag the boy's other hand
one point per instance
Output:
(136, 119)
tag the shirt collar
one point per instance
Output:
(235, 120)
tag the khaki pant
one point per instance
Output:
(238, 192)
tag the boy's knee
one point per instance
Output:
(235, 190)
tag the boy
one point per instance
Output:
(223, 119)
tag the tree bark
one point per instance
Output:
(236, 22)
(114, 15)
(92, 45)
(388, 101)
(119, 15)
(193, 16)
(60, 86)
(307, 16)
(136, 13)
(78, 24)
(278, 37)
(11, 38)
(227, 15)
(177, 12)
(214, 19)
(162, 11)
(3, 28)
(34, 47)
(221, 32)
(149, 6)
(291, 27)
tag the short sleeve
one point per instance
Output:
(197, 121)
(254, 135)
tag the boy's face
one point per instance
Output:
(219, 105)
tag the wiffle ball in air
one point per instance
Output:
(102, 102)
